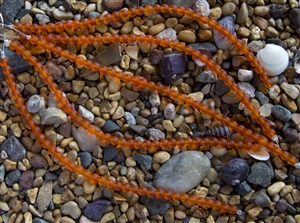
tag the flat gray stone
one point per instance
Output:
(45, 196)
(13, 148)
(182, 172)
(85, 140)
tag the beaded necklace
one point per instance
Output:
(44, 37)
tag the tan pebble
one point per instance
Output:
(218, 152)
(130, 162)
(132, 51)
(286, 190)
(171, 22)
(243, 32)
(89, 188)
(230, 98)
(275, 188)
(32, 194)
(144, 47)
(161, 157)
(114, 85)
(118, 199)
(141, 211)
(3, 188)
(197, 96)
(118, 114)
(67, 220)
(167, 124)
(150, 69)
(4, 206)
(122, 219)
(254, 212)
(107, 217)
(3, 116)
(127, 27)
(212, 175)
(201, 192)
(153, 30)
(125, 62)
(204, 35)
(73, 145)
(215, 13)
(3, 130)
(187, 36)
(115, 97)
(65, 142)
(28, 217)
(130, 213)
(180, 214)
(210, 219)
(16, 130)
(289, 103)
(9, 165)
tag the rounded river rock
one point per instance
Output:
(182, 172)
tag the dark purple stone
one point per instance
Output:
(173, 66)
(94, 210)
(221, 42)
(156, 56)
(13, 148)
(109, 153)
(235, 171)
(26, 179)
(38, 161)
(119, 158)
(281, 205)
(291, 134)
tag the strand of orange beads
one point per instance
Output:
(72, 166)
(143, 83)
(148, 10)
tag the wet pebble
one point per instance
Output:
(86, 159)
(235, 171)
(182, 172)
(13, 148)
(143, 160)
(95, 210)
(260, 175)
(12, 177)
(26, 179)
(281, 113)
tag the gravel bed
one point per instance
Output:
(35, 188)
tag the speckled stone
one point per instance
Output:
(95, 210)
(281, 113)
(86, 141)
(155, 205)
(129, 118)
(182, 172)
(281, 205)
(35, 103)
(235, 171)
(144, 160)
(38, 161)
(155, 134)
(260, 174)
(13, 148)
(44, 196)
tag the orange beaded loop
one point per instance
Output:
(47, 42)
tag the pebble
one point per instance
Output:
(155, 29)
(156, 56)
(86, 113)
(143, 160)
(71, 208)
(230, 98)
(161, 157)
(129, 118)
(13, 148)
(245, 75)
(94, 211)
(155, 205)
(260, 175)
(243, 13)
(53, 116)
(202, 7)
(291, 135)
(294, 16)
(168, 125)
(221, 42)
(155, 134)
(207, 77)
(281, 205)
(86, 159)
(12, 177)
(35, 103)
(281, 113)
(275, 188)
(266, 110)
(38, 161)
(277, 11)
(290, 90)
(187, 36)
(262, 98)
(228, 8)
(168, 33)
(243, 188)
(247, 88)
(182, 172)
(44, 196)
(112, 6)
(2, 173)
(221, 88)
(260, 198)
(26, 179)
(109, 153)
(110, 126)
(169, 111)
(235, 171)
(61, 15)
(85, 140)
